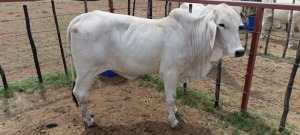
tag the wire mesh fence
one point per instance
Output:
(270, 78)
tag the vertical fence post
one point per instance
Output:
(169, 7)
(288, 32)
(218, 84)
(269, 32)
(133, 7)
(85, 6)
(149, 9)
(2, 73)
(128, 7)
(111, 6)
(190, 8)
(166, 8)
(289, 90)
(247, 32)
(185, 84)
(33, 48)
(252, 57)
(59, 37)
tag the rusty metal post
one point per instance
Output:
(166, 8)
(169, 7)
(289, 91)
(111, 6)
(128, 7)
(218, 85)
(185, 84)
(32, 44)
(149, 9)
(288, 32)
(85, 6)
(59, 38)
(133, 8)
(252, 57)
(247, 31)
(4, 81)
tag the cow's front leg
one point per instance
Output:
(170, 83)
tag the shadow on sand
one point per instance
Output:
(146, 128)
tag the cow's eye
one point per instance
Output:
(222, 25)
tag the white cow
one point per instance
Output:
(280, 15)
(295, 24)
(180, 47)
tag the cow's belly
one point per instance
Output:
(136, 65)
(135, 69)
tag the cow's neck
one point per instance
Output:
(201, 48)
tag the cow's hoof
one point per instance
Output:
(178, 127)
(91, 126)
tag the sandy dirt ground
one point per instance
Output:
(120, 107)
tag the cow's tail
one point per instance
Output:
(74, 21)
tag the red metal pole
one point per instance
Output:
(111, 6)
(252, 56)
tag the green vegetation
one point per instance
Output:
(151, 80)
(29, 84)
(250, 123)
(193, 97)
(272, 116)
(5, 108)
(275, 57)
(241, 122)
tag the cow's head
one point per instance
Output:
(223, 29)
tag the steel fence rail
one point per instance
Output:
(252, 96)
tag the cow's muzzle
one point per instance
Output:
(239, 53)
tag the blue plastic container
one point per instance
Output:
(108, 73)
(251, 23)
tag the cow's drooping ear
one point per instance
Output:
(211, 32)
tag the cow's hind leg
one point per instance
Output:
(81, 93)
(263, 31)
(170, 83)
